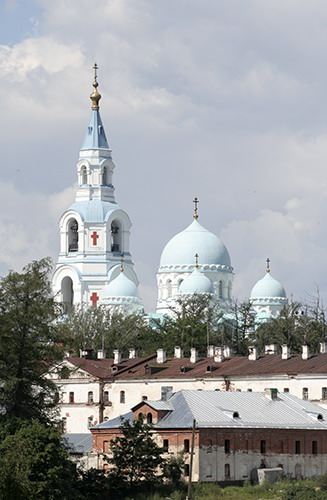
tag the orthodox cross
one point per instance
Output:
(196, 260)
(122, 263)
(268, 265)
(94, 298)
(94, 237)
(95, 67)
(196, 202)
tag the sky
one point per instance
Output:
(220, 99)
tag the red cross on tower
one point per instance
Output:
(94, 237)
(94, 298)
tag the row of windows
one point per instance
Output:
(115, 242)
(169, 285)
(263, 447)
(104, 177)
(90, 397)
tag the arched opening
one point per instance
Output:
(220, 289)
(83, 175)
(169, 289)
(72, 235)
(149, 418)
(67, 292)
(116, 236)
(227, 471)
(105, 176)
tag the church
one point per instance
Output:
(95, 266)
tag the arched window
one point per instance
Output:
(67, 292)
(90, 397)
(227, 471)
(105, 446)
(220, 289)
(84, 175)
(169, 289)
(116, 236)
(105, 176)
(72, 235)
(149, 418)
(122, 396)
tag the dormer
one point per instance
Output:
(151, 414)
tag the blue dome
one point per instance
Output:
(196, 282)
(121, 287)
(268, 287)
(180, 250)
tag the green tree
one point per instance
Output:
(29, 343)
(136, 459)
(34, 465)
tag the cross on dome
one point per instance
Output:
(196, 260)
(95, 96)
(196, 202)
(122, 263)
(268, 265)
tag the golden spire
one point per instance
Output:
(196, 261)
(196, 202)
(95, 96)
(268, 265)
(122, 263)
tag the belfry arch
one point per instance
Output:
(116, 236)
(67, 292)
(72, 235)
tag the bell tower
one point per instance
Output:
(94, 230)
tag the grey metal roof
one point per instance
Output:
(160, 405)
(78, 443)
(114, 423)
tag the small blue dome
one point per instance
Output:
(180, 250)
(196, 282)
(121, 287)
(268, 287)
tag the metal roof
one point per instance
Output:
(78, 443)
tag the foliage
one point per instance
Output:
(322, 482)
(136, 459)
(303, 492)
(34, 465)
(172, 470)
(29, 343)
(94, 484)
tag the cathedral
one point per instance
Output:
(95, 266)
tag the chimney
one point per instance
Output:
(86, 353)
(271, 349)
(305, 352)
(219, 355)
(101, 353)
(323, 347)
(286, 352)
(210, 351)
(253, 353)
(194, 355)
(117, 356)
(132, 353)
(227, 351)
(161, 356)
(271, 393)
(178, 352)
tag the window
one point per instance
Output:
(122, 396)
(71, 397)
(209, 470)
(186, 445)
(286, 390)
(165, 445)
(105, 176)
(209, 445)
(249, 390)
(305, 393)
(106, 397)
(208, 369)
(67, 294)
(149, 418)
(298, 447)
(84, 175)
(227, 445)
(72, 235)
(169, 289)
(220, 290)
(314, 447)
(144, 398)
(116, 235)
(105, 446)
(263, 446)
(227, 471)
(89, 422)
(324, 393)
(90, 397)
(186, 470)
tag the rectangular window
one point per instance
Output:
(106, 397)
(186, 445)
(186, 470)
(105, 446)
(144, 398)
(314, 448)
(71, 397)
(122, 396)
(249, 390)
(324, 393)
(209, 470)
(89, 422)
(90, 397)
(286, 390)
(165, 445)
(227, 445)
(298, 447)
(305, 393)
(263, 446)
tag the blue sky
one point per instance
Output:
(220, 99)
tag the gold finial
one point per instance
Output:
(122, 263)
(268, 265)
(196, 260)
(196, 202)
(95, 96)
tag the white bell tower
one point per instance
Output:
(94, 230)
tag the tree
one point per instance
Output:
(28, 343)
(136, 458)
(34, 465)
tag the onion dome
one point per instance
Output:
(180, 250)
(196, 282)
(268, 289)
(121, 287)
